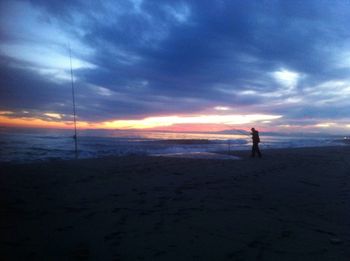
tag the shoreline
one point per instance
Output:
(290, 205)
(238, 153)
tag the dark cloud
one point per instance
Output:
(171, 57)
(22, 88)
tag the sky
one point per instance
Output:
(179, 65)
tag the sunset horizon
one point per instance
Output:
(175, 123)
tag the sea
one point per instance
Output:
(19, 145)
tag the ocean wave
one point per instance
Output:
(184, 141)
(18, 147)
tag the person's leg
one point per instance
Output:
(258, 150)
(253, 150)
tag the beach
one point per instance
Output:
(293, 204)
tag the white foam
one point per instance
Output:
(198, 155)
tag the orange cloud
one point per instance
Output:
(177, 122)
(39, 123)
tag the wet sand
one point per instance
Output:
(289, 205)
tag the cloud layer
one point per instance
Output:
(139, 58)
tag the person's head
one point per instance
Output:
(252, 129)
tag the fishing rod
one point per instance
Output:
(244, 133)
(229, 141)
(75, 137)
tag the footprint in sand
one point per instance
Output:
(160, 253)
(89, 215)
(81, 252)
(286, 233)
(74, 209)
(65, 228)
(336, 241)
(115, 236)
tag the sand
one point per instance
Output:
(289, 205)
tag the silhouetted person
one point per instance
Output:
(256, 140)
